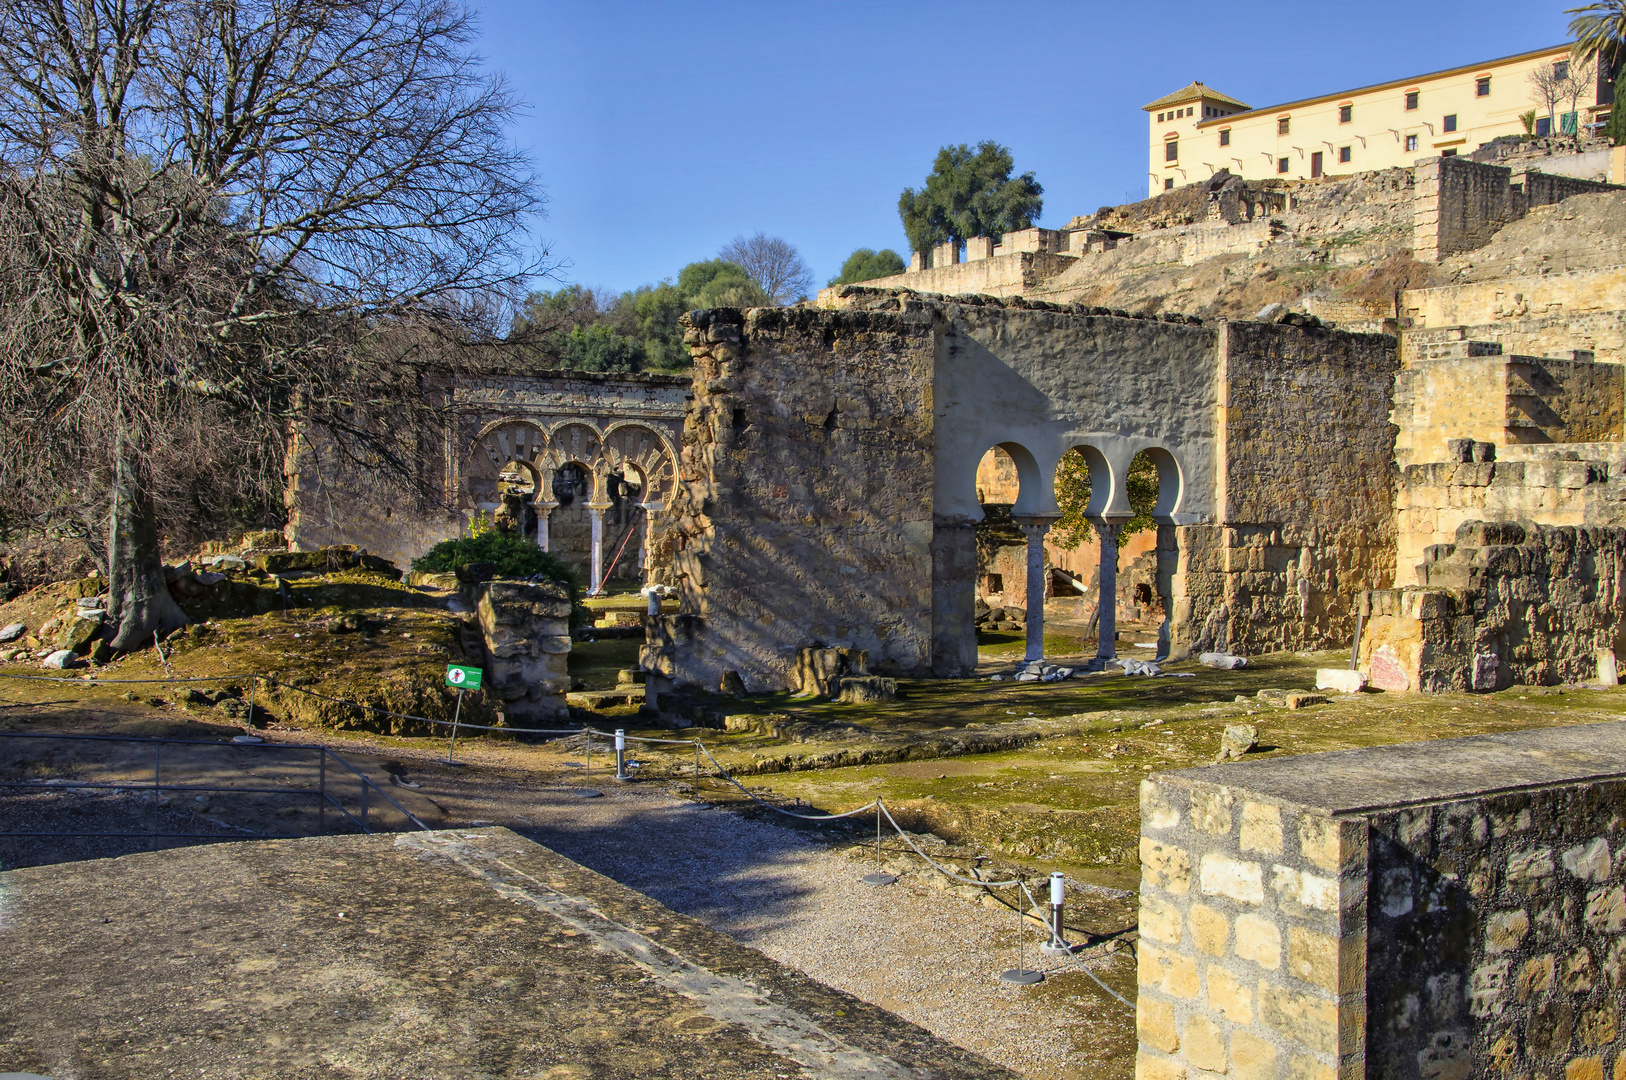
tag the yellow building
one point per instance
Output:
(1197, 131)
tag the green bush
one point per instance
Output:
(514, 557)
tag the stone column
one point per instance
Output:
(543, 511)
(595, 512)
(1034, 529)
(646, 536)
(1106, 600)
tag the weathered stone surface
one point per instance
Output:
(12, 631)
(103, 979)
(864, 689)
(1237, 740)
(523, 626)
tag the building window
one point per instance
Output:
(1561, 70)
(1449, 153)
(1567, 123)
(1450, 123)
(1411, 100)
(996, 584)
(1315, 164)
(1482, 86)
(1171, 150)
(1225, 137)
(1281, 165)
(1346, 113)
(1282, 125)
(1544, 126)
(1411, 142)
(1168, 183)
(1159, 118)
(1344, 155)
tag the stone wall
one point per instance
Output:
(1462, 203)
(804, 508)
(1427, 911)
(525, 627)
(605, 424)
(1539, 314)
(1506, 604)
(1578, 484)
(1305, 491)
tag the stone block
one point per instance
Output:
(1151, 1067)
(1160, 920)
(1319, 842)
(1487, 989)
(1535, 978)
(1202, 1044)
(1606, 910)
(1300, 699)
(1584, 1068)
(1314, 958)
(1229, 996)
(1525, 866)
(1165, 866)
(1170, 972)
(1210, 929)
(1154, 1023)
(1211, 811)
(1260, 940)
(1261, 828)
(1340, 680)
(1302, 1017)
(1304, 889)
(1306, 1067)
(1589, 861)
(1252, 1058)
(1506, 931)
(1238, 879)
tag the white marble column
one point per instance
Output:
(1035, 529)
(595, 512)
(1106, 600)
(544, 510)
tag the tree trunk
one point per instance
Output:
(140, 606)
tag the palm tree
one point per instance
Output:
(1599, 29)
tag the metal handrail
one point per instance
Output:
(324, 798)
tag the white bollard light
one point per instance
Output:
(621, 754)
(1058, 897)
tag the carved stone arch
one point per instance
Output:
(498, 443)
(630, 444)
(577, 442)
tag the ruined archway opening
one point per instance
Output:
(517, 486)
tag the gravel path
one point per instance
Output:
(925, 954)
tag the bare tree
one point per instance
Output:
(773, 263)
(1548, 85)
(1580, 81)
(218, 217)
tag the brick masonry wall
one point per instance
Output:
(804, 507)
(1252, 926)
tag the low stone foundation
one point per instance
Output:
(526, 630)
(1435, 910)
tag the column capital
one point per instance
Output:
(1035, 523)
(599, 507)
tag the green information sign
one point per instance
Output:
(463, 678)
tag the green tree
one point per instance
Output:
(719, 283)
(598, 348)
(1073, 496)
(969, 193)
(1599, 29)
(867, 264)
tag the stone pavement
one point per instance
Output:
(468, 953)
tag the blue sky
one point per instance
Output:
(663, 130)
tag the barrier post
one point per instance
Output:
(457, 714)
(880, 877)
(587, 765)
(249, 736)
(1020, 975)
(621, 754)
(1058, 895)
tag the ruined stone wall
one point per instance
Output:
(600, 422)
(1582, 484)
(1305, 491)
(1505, 604)
(804, 508)
(1533, 315)
(1415, 912)
(1462, 203)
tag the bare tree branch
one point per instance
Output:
(773, 263)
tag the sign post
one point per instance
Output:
(462, 679)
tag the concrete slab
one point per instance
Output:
(452, 954)
(1407, 774)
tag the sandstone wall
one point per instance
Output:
(1304, 492)
(1534, 315)
(1416, 912)
(1462, 203)
(1506, 604)
(804, 508)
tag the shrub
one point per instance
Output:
(513, 556)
